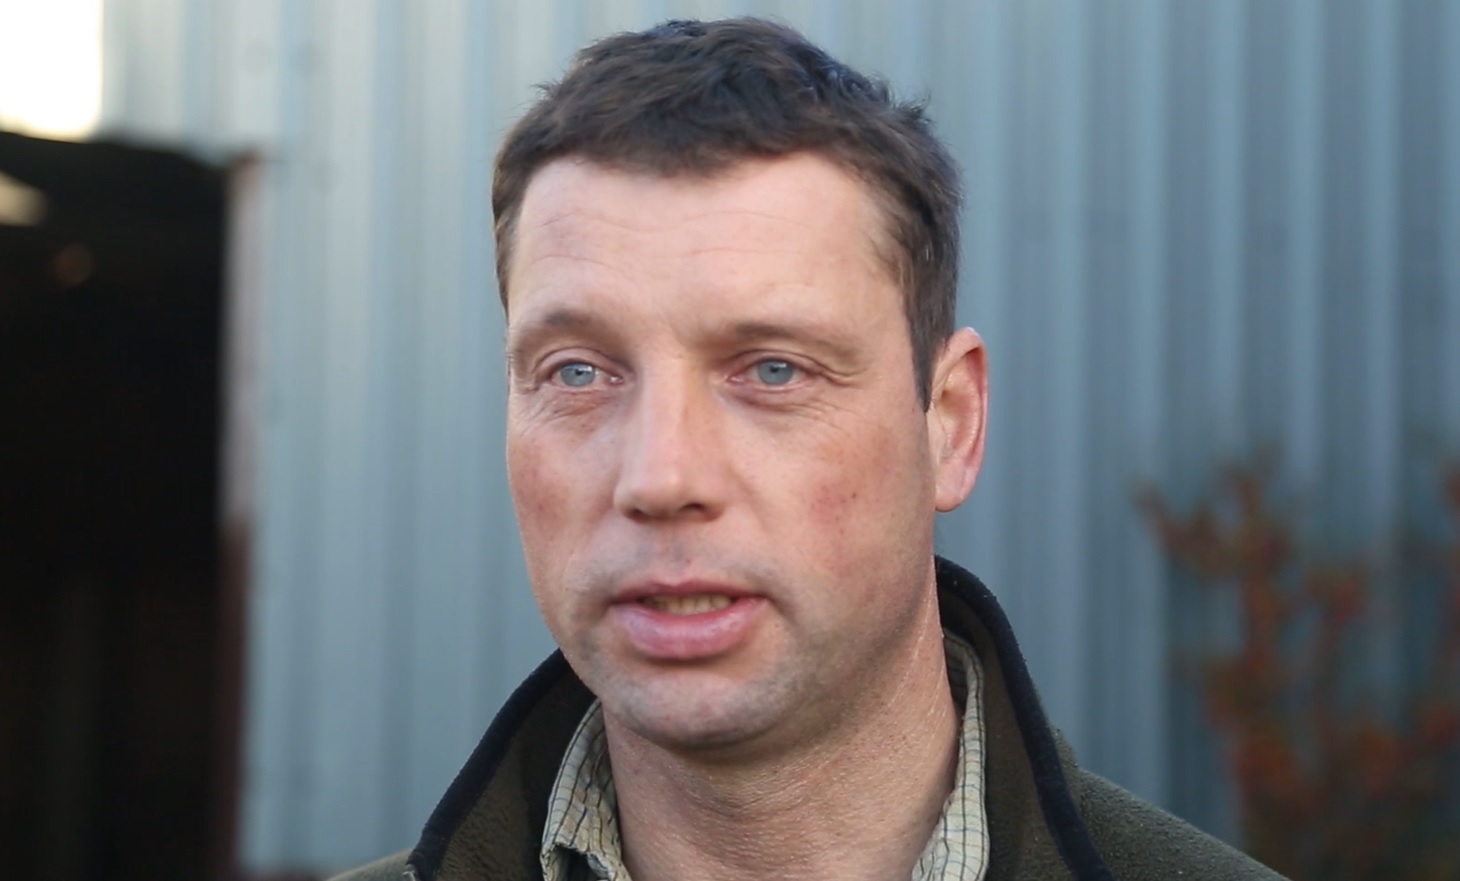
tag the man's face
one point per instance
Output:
(722, 471)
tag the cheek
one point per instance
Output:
(867, 488)
(540, 488)
(524, 477)
(540, 496)
(561, 487)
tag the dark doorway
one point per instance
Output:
(113, 638)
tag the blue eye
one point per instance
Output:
(774, 371)
(577, 374)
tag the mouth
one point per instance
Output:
(694, 604)
(687, 621)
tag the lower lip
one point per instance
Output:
(662, 636)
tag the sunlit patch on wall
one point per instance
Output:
(50, 67)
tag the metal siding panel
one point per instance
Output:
(908, 34)
(977, 531)
(510, 637)
(277, 620)
(1118, 614)
(1380, 456)
(1190, 242)
(969, 533)
(1268, 244)
(485, 475)
(199, 110)
(569, 31)
(1417, 172)
(124, 65)
(1344, 269)
(861, 47)
(1449, 416)
(401, 421)
(1303, 443)
(1106, 228)
(654, 11)
(533, 51)
(797, 13)
(1422, 175)
(1146, 315)
(953, 118)
(524, 639)
(1185, 360)
(251, 72)
(1228, 348)
(1025, 364)
(435, 716)
(118, 18)
(344, 806)
(703, 9)
(609, 16)
(1068, 502)
(280, 694)
(161, 78)
(828, 26)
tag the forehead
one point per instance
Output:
(792, 216)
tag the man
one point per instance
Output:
(737, 401)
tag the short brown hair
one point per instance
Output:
(689, 97)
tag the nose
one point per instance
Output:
(670, 465)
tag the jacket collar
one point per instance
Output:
(488, 826)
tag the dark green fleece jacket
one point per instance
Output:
(1047, 818)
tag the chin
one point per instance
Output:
(693, 723)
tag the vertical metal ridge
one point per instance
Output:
(1069, 412)
(344, 804)
(1229, 167)
(492, 563)
(394, 245)
(1449, 247)
(1147, 647)
(281, 660)
(986, 279)
(827, 23)
(1026, 363)
(912, 36)
(201, 105)
(1303, 442)
(1381, 452)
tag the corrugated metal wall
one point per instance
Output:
(1196, 228)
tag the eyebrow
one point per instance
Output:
(524, 335)
(755, 331)
(527, 334)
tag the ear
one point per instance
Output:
(956, 414)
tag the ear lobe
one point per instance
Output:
(956, 416)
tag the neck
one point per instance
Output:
(859, 803)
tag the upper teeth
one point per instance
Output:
(691, 605)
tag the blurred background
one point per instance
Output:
(260, 584)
